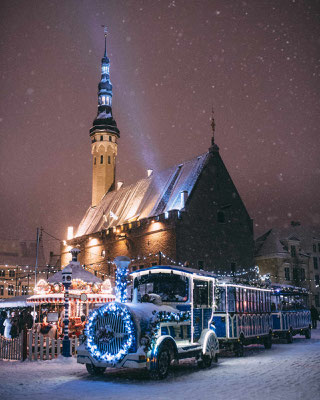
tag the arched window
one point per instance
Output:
(109, 160)
(101, 159)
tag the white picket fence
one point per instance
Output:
(11, 349)
(44, 348)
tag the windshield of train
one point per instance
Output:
(170, 287)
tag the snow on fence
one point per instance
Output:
(11, 349)
(33, 346)
(43, 348)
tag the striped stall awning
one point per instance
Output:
(99, 298)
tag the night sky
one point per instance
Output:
(256, 62)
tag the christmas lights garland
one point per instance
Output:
(150, 337)
(91, 332)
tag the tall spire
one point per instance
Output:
(104, 119)
(213, 146)
(105, 39)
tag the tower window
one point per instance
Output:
(106, 100)
(95, 161)
(109, 160)
(101, 159)
(110, 139)
(101, 138)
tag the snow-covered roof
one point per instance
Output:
(275, 241)
(78, 272)
(17, 301)
(157, 194)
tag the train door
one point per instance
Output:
(202, 306)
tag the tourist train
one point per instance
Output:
(175, 313)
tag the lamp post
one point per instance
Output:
(66, 281)
(122, 264)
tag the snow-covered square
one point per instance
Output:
(285, 372)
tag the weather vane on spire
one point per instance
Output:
(213, 125)
(213, 147)
(105, 29)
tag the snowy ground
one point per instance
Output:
(286, 372)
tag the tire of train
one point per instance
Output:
(289, 337)
(95, 371)
(307, 333)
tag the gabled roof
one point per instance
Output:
(157, 194)
(275, 241)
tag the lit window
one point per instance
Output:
(101, 159)
(10, 290)
(24, 290)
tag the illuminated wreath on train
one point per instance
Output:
(110, 333)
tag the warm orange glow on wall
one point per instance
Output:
(70, 232)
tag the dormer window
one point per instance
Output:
(293, 251)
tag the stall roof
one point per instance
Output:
(17, 301)
(78, 272)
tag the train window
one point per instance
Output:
(255, 301)
(245, 300)
(200, 293)
(232, 299)
(221, 301)
(170, 287)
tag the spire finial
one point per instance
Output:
(105, 30)
(213, 125)
(213, 147)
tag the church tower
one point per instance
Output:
(104, 135)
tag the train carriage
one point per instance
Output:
(290, 312)
(242, 316)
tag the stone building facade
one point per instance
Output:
(292, 257)
(17, 267)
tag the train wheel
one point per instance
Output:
(289, 337)
(307, 333)
(162, 364)
(95, 371)
(239, 350)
